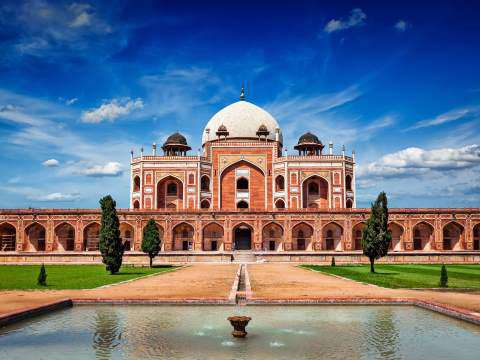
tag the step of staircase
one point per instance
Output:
(240, 256)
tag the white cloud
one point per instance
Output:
(51, 163)
(112, 110)
(416, 161)
(56, 197)
(111, 168)
(401, 25)
(449, 116)
(357, 18)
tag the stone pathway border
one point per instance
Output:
(248, 286)
(232, 297)
(174, 268)
(455, 312)
(15, 316)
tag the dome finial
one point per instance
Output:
(242, 92)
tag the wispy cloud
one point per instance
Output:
(112, 110)
(357, 18)
(314, 104)
(39, 123)
(320, 113)
(71, 101)
(449, 116)
(402, 25)
(40, 195)
(49, 28)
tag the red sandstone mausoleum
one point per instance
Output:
(245, 193)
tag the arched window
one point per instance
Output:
(313, 206)
(205, 204)
(242, 184)
(280, 183)
(171, 206)
(280, 204)
(191, 179)
(172, 189)
(329, 233)
(349, 203)
(300, 234)
(185, 233)
(136, 183)
(348, 182)
(205, 183)
(136, 204)
(313, 188)
(242, 205)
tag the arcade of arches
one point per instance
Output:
(264, 236)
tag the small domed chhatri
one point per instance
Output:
(309, 144)
(176, 145)
(263, 131)
(222, 132)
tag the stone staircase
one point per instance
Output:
(244, 256)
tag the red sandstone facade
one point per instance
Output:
(243, 193)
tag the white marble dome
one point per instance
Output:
(242, 120)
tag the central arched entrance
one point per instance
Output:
(242, 235)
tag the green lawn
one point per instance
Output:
(406, 276)
(69, 276)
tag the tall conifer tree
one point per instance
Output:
(110, 243)
(376, 237)
(151, 240)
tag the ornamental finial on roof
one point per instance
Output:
(242, 93)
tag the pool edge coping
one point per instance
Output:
(448, 310)
(33, 311)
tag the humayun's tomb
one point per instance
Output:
(244, 192)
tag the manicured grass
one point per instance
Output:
(69, 276)
(407, 276)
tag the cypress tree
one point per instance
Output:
(333, 260)
(376, 237)
(443, 277)
(42, 276)
(151, 240)
(110, 243)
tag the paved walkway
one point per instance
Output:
(289, 282)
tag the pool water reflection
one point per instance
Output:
(275, 332)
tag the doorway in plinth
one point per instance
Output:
(242, 235)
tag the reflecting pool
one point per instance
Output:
(275, 332)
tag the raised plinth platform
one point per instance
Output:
(183, 257)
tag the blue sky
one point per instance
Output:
(82, 83)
